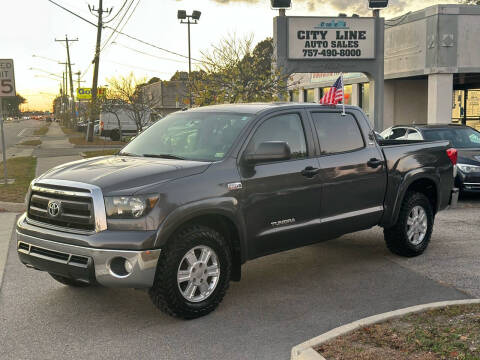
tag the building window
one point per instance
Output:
(365, 97)
(348, 89)
(309, 95)
(294, 95)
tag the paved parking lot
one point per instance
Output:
(283, 299)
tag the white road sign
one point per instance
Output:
(331, 38)
(7, 78)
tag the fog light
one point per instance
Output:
(120, 267)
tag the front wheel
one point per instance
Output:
(193, 273)
(411, 234)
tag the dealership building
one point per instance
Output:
(432, 70)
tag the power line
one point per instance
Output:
(145, 53)
(118, 25)
(71, 12)
(127, 35)
(118, 13)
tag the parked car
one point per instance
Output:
(200, 192)
(109, 123)
(464, 138)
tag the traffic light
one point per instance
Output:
(377, 4)
(281, 4)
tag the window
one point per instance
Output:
(309, 95)
(365, 97)
(337, 133)
(395, 134)
(204, 136)
(294, 95)
(413, 135)
(286, 128)
(348, 90)
(460, 137)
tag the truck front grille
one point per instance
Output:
(72, 207)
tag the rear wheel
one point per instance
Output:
(193, 273)
(411, 234)
(68, 281)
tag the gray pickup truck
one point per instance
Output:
(180, 208)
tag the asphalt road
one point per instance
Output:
(16, 130)
(283, 300)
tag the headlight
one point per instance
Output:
(129, 207)
(468, 168)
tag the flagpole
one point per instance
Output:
(343, 95)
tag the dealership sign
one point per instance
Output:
(86, 93)
(315, 38)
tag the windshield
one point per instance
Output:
(203, 136)
(459, 137)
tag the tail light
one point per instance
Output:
(101, 125)
(452, 155)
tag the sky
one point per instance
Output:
(33, 26)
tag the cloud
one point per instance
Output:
(360, 7)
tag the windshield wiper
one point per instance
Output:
(164, 156)
(126, 154)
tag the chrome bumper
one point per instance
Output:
(91, 264)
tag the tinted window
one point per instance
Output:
(337, 133)
(286, 128)
(190, 135)
(459, 137)
(396, 133)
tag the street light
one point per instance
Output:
(190, 19)
(376, 5)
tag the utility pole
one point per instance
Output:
(96, 61)
(68, 65)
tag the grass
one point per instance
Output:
(31, 142)
(447, 333)
(22, 169)
(78, 138)
(97, 141)
(41, 131)
(90, 154)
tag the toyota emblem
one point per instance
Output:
(53, 208)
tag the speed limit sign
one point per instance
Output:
(7, 78)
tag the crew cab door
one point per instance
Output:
(352, 173)
(281, 198)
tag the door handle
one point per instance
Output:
(374, 163)
(310, 171)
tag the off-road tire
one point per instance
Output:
(68, 281)
(165, 293)
(396, 236)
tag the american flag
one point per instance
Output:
(335, 94)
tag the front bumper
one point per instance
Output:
(87, 264)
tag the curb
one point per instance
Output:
(305, 351)
(12, 207)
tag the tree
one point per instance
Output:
(470, 2)
(234, 72)
(129, 94)
(11, 106)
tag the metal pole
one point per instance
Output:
(4, 147)
(93, 109)
(189, 64)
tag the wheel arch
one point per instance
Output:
(419, 181)
(224, 220)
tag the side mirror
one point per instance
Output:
(269, 151)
